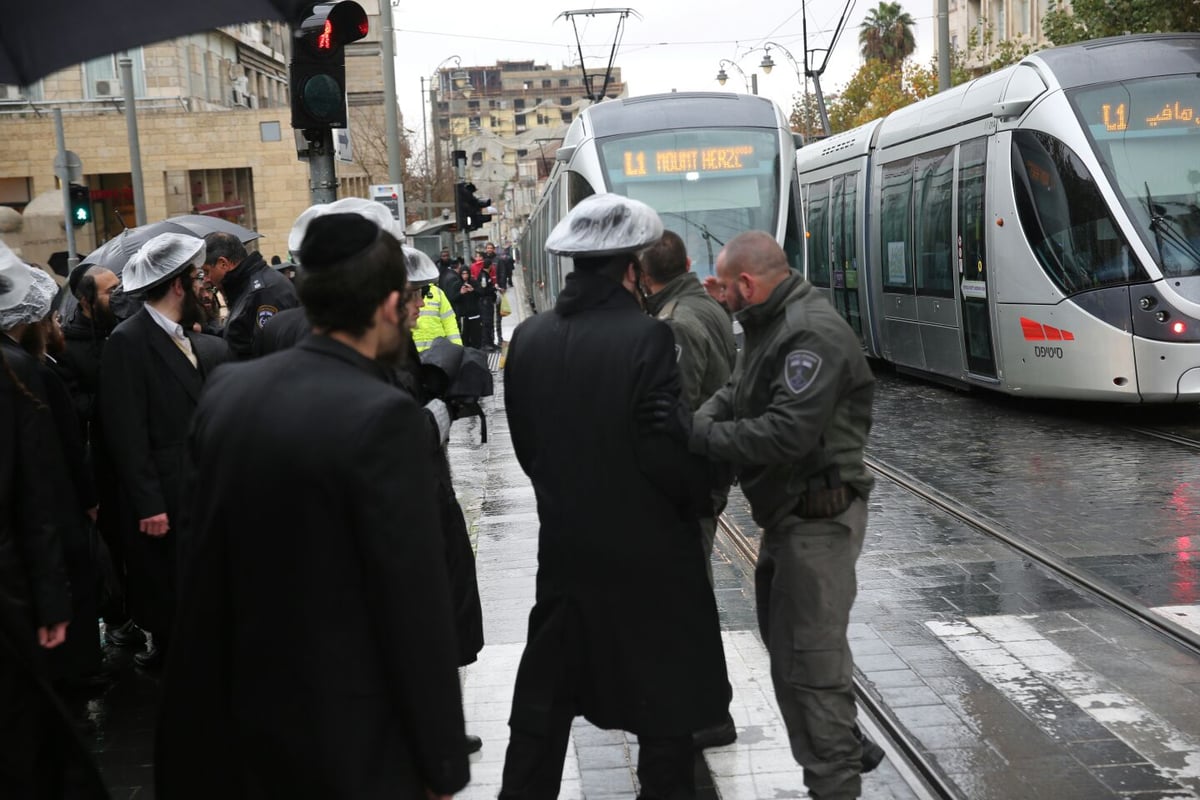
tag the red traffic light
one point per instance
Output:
(328, 27)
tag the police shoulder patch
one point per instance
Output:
(800, 369)
(264, 313)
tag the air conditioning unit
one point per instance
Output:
(9, 91)
(105, 88)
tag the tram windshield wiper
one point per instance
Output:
(705, 233)
(1166, 230)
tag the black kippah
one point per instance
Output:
(75, 277)
(333, 238)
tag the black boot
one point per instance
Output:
(872, 754)
(715, 736)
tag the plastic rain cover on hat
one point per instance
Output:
(376, 212)
(604, 225)
(35, 305)
(14, 278)
(160, 259)
(420, 267)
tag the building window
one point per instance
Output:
(473, 123)
(547, 83)
(564, 81)
(528, 85)
(519, 104)
(473, 105)
(32, 92)
(477, 159)
(520, 119)
(566, 116)
(521, 153)
(564, 101)
(102, 77)
(269, 132)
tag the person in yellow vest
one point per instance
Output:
(437, 319)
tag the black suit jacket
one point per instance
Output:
(314, 651)
(148, 391)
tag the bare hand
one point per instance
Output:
(156, 526)
(93, 513)
(714, 288)
(51, 636)
(429, 793)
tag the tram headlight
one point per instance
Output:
(1147, 303)
(1162, 316)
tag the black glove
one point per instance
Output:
(663, 413)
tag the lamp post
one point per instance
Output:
(722, 76)
(391, 115)
(767, 63)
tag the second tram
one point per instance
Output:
(1035, 231)
(711, 164)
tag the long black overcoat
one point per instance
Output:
(624, 608)
(148, 391)
(314, 655)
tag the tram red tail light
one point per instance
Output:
(1178, 327)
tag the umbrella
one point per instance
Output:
(460, 376)
(45, 37)
(116, 252)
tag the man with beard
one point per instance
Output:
(151, 374)
(317, 519)
(253, 291)
(79, 367)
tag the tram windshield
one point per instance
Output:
(1147, 134)
(708, 185)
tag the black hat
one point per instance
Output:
(333, 238)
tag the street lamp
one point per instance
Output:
(767, 63)
(437, 161)
(722, 76)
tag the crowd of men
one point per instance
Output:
(275, 507)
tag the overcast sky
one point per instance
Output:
(674, 45)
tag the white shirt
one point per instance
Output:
(175, 331)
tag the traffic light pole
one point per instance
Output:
(125, 63)
(322, 181)
(64, 178)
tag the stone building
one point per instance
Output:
(214, 130)
(981, 25)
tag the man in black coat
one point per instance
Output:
(38, 748)
(153, 368)
(316, 654)
(253, 291)
(625, 628)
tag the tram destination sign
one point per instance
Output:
(688, 159)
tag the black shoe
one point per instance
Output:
(151, 660)
(872, 754)
(125, 635)
(716, 736)
(474, 744)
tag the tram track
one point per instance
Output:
(1070, 574)
(1166, 436)
(903, 751)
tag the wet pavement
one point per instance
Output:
(1011, 681)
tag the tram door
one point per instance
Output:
(972, 258)
(843, 256)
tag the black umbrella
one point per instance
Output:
(116, 252)
(48, 36)
(460, 376)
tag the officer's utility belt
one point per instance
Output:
(824, 503)
(826, 497)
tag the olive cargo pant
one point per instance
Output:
(805, 585)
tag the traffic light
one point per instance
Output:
(317, 74)
(469, 209)
(81, 205)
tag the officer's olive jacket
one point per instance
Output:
(799, 402)
(704, 348)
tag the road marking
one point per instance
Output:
(1051, 686)
(1187, 616)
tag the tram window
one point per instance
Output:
(842, 250)
(972, 166)
(793, 238)
(577, 188)
(1064, 217)
(895, 222)
(934, 186)
(818, 233)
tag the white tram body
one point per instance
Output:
(1035, 231)
(712, 164)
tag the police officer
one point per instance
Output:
(793, 423)
(253, 291)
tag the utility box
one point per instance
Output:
(392, 196)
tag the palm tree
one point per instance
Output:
(886, 34)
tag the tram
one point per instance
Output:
(712, 164)
(1035, 231)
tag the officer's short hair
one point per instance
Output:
(666, 259)
(223, 245)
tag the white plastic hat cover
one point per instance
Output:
(160, 259)
(14, 278)
(376, 212)
(421, 268)
(35, 305)
(604, 225)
